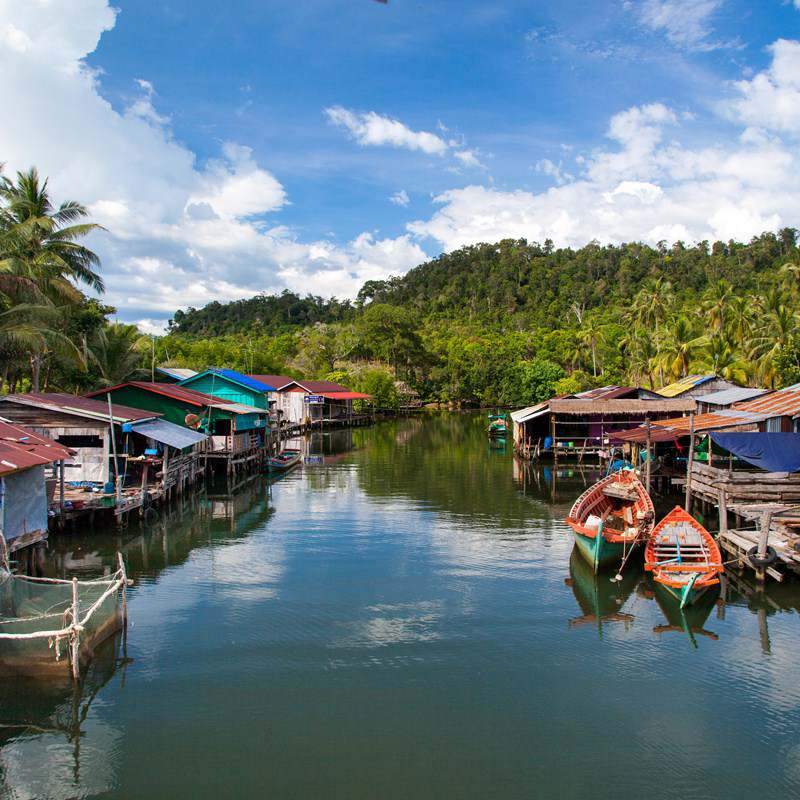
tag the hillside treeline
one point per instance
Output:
(510, 322)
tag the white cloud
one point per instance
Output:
(643, 188)
(555, 171)
(686, 23)
(180, 233)
(468, 158)
(374, 130)
(400, 198)
(771, 99)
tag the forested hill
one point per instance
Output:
(536, 285)
(263, 313)
(512, 323)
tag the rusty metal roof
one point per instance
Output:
(21, 448)
(684, 385)
(79, 406)
(171, 390)
(608, 393)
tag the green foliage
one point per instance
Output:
(787, 362)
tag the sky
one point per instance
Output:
(259, 145)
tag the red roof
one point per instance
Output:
(21, 448)
(608, 393)
(346, 395)
(173, 390)
(80, 406)
(317, 387)
(278, 381)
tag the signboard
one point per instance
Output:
(316, 460)
(314, 399)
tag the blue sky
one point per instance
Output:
(257, 145)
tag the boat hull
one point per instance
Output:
(598, 551)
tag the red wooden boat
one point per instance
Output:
(683, 557)
(610, 517)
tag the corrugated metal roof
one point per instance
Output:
(235, 377)
(713, 420)
(178, 373)
(239, 408)
(727, 397)
(684, 385)
(168, 433)
(783, 403)
(531, 412)
(346, 395)
(317, 387)
(21, 448)
(278, 381)
(79, 406)
(180, 393)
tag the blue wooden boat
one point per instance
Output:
(285, 460)
(611, 517)
(497, 427)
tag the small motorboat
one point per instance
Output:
(497, 427)
(611, 517)
(285, 460)
(683, 557)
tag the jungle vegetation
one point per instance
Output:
(509, 323)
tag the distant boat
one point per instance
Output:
(497, 426)
(683, 557)
(285, 460)
(611, 517)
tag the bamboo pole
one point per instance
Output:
(723, 511)
(649, 454)
(689, 464)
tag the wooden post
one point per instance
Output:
(76, 636)
(689, 464)
(553, 437)
(61, 484)
(117, 485)
(649, 455)
(763, 543)
(723, 511)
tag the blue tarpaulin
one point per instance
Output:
(774, 452)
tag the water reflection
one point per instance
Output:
(600, 599)
(51, 743)
(689, 621)
(403, 593)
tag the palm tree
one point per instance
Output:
(681, 345)
(589, 336)
(652, 304)
(716, 304)
(117, 351)
(41, 261)
(722, 360)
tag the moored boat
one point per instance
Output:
(285, 460)
(683, 557)
(497, 425)
(611, 517)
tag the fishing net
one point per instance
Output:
(45, 607)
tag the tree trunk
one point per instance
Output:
(36, 368)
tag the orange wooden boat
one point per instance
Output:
(683, 557)
(610, 517)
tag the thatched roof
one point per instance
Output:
(596, 408)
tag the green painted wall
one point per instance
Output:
(220, 386)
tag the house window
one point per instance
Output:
(774, 424)
(79, 440)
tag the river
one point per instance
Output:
(402, 617)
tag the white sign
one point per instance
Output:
(314, 399)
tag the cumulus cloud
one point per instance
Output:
(646, 186)
(685, 23)
(771, 99)
(180, 233)
(468, 158)
(374, 130)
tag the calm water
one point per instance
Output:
(403, 619)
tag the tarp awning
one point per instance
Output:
(346, 396)
(529, 413)
(168, 433)
(774, 452)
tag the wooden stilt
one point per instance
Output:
(689, 464)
